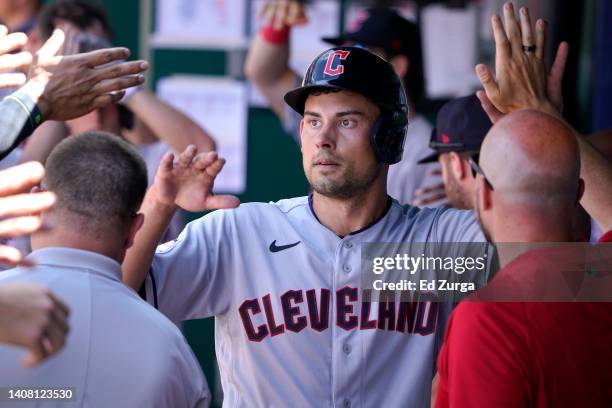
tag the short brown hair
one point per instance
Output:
(98, 176)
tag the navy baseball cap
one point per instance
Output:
(461, 126)
(384, 28)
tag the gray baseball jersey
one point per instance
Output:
(291, 326)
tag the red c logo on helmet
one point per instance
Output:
(339, 69)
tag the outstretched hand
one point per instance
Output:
(520, 80)
(11, 62)
(280, 13)
(187, 181)
(32, 317)
(20, 211)
(70, 86)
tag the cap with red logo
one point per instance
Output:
(384, 28)
(461, 126)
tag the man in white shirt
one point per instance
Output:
(120, 352)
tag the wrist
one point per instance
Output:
(35, 90)
(548, 107)
(275, 36)
(158, 202)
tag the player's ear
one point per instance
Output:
(580, 191)
(484, 193)
(301, 133)
(457, 165)
(135, 225)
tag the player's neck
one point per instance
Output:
(346, 215)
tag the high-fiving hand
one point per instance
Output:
(12, 65)
(187, 181)
(67, 87)
(520, 80)
(280, 13)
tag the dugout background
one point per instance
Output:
(273, 160)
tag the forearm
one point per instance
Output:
(140, 255)
(168, 124)
(266, 62)
(19, 117)
(43, 141)
(596, 171)
(267, 66)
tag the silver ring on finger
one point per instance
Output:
(529, 48)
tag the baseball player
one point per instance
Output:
(461, 126)
(293, 326)
(384, 32)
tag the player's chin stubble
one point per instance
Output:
(342, 185)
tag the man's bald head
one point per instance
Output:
(533, 163)
(532, 157)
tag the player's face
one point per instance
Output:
(455, 193)
(338, 158)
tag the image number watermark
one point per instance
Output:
(14, 394)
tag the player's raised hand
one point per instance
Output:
(520, 80)
(9, 62)
(32, 317)
(70, 86)
(188, 180)
(280, 13)
(20, 211)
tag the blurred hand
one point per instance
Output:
(430, 194)
(67, 87)
(71, 38)
(32, 317)
(188, 180)
(520, 80)
(280, 13)
(20, 214)
(11, 63)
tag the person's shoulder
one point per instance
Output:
(257, 208)
(474, 315)
(410, 213)
(147, 320)
(11, 275)
(255, 211)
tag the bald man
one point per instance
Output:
(536, 354)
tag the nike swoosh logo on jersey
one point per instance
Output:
(275, 248)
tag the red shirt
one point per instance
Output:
(536, 354)
(607, 237)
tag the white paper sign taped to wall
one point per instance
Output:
(219, 105)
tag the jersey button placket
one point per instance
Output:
(346, 403)
(346, 348)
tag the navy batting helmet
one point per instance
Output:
(361, 71)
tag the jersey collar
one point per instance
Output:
(77, 260)
(387, 208)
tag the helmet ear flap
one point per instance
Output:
(388, 136)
